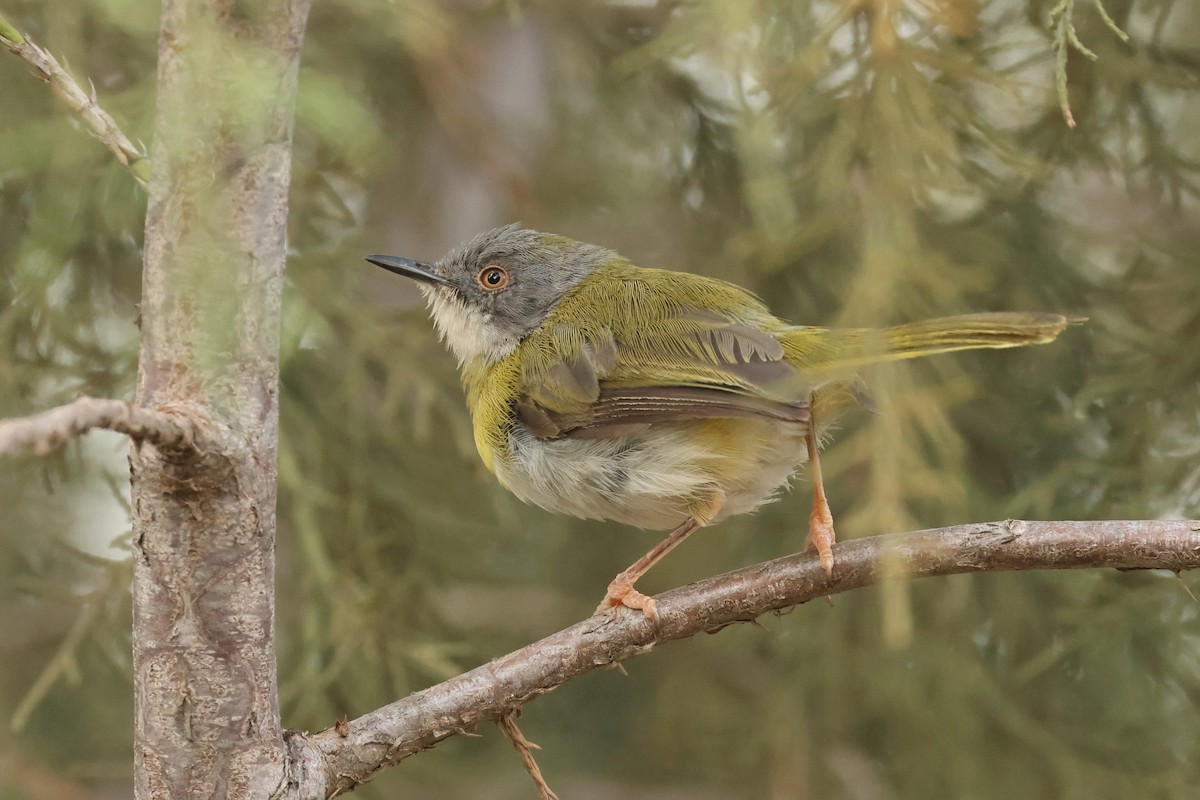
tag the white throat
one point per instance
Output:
(468, 332)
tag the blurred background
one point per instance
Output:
(855, 163)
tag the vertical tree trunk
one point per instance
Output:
(207, 716)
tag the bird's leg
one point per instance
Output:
(620, 590)
(821, 535)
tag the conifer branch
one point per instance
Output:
(1065, 39)
(98, 121)
(354, 751)
(44, 432)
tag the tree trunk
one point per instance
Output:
(207, 716)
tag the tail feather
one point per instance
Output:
(837, 349)
(971, 331)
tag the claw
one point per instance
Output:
(821, 536)
(820, 522)
(622, 593)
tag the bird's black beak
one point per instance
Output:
(409, 268)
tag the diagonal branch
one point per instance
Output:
(44, 432)
(354, 752)
(97, 120)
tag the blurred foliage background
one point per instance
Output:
(855, 162)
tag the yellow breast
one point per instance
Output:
(491, 389)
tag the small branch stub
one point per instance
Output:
(507, 723)
(44, 432)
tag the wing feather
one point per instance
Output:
(601, 376)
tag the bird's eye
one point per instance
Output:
(492, 278)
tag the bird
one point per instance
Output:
(660, 399)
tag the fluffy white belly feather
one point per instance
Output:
(656, 478)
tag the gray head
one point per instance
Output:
(486, 295)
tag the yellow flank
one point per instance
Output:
(632, 327)
(491, 389)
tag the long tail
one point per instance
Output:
(837, 349)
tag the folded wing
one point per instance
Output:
(602, 375)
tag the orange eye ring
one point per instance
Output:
(492, 278)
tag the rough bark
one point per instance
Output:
(207, 717)
(354, 751)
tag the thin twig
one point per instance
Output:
(44, 432)
(95, 118)
(1065, 38)
(507, 723)
(423, 719)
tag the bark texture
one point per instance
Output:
(355, 751)
(44, 432)
(207, 717)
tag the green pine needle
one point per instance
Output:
(9, 33)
